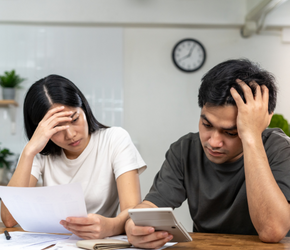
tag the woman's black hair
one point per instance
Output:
(54, 89)
(216, 84)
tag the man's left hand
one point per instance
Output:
(253, 116)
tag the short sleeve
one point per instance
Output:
(37, 166)
(168, 188)
(125, 157)
(277, 147)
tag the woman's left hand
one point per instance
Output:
(92, 227)
(96, 226)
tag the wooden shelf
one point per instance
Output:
(6, 103)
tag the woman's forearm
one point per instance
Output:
(21, 178)
(22, 174)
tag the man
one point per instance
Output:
(235, 173)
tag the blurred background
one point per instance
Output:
(119, 54)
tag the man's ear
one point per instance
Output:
(270, 117)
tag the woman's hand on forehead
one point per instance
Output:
(48, 126)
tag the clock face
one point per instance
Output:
(188, 55)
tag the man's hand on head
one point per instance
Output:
(253, 116)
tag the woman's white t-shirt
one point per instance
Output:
(109, 153)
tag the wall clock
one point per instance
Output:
(188, 55)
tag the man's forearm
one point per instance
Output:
(268, 207)
(146, 204)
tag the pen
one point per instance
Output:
(7, 235)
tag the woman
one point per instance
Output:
(66, 145)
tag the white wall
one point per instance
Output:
(124, 11)
(132, 12)
(160, 102)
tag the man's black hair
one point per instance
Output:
(216, 83)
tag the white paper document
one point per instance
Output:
(40, 209)
(29, 241)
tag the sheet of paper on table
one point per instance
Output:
(40, 209)
(70, 244)
(29, 241)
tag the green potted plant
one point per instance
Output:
(278, 121)
(4, 163)
(9, 81)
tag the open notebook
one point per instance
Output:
(103, 244)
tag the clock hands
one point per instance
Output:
(189, 54)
